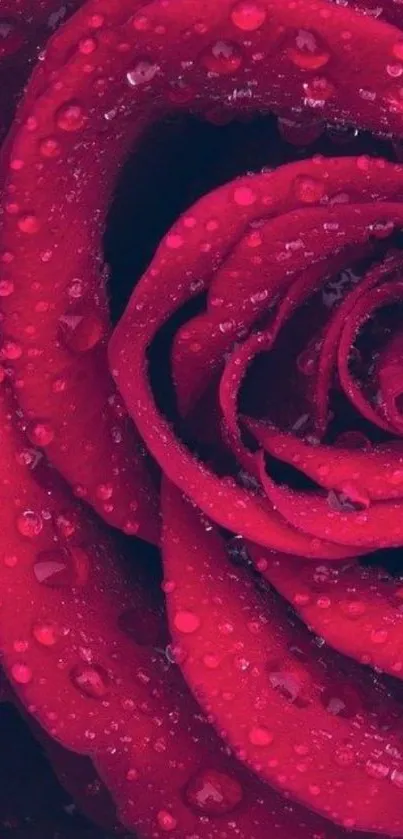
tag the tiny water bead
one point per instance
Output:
(28, 223)
(92, 681)
(213, 793)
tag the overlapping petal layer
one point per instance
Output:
(83, 639)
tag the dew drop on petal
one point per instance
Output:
(186, 622)
(60, 568)
(29, 524)
(213, 793)
(222, 57)
(260, 736)
(21, 673)
(91, 681)
(248, 15)
(70, 116)
(40, 433)
(46, 633)
(309, 190)
(166, 820)
(307, 51)
(142, 73)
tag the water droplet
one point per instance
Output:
(65, 525)
(376, 770)
(21, 673)
(394, 70)
(28, 223)
(49, 147)
(248, 15)
(341, 701)
(174, 241)
(40, 433)
(6, 288)
(46, 633)
(166, 821)
(81, 332)
(70, 116)
(353, 609)
(87, 45)
(244, 196)
(260, 736)
(289, 686)
(91, 681)
(213, 793)
(318, 91)
(104, 491)
(222, 57)
(142, 73)
(307, 51)
(29, 524)
(309, 190)
(186, 622)
(379, 636)
(11, 350)
(60, 568)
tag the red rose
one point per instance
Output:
(254, 435)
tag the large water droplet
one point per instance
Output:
(142, 73)
(46, 633)
(92, 681)
(341, 701)
(248, 15)
(213, 793)
(40, 433)
(186, 622)
(29, 524)
(309, 190)
(307, 50)
(70, 116)
(81, 332)
(260, 736)
(21, 673)
(166, 821)
(222, 57)
(64, 567)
